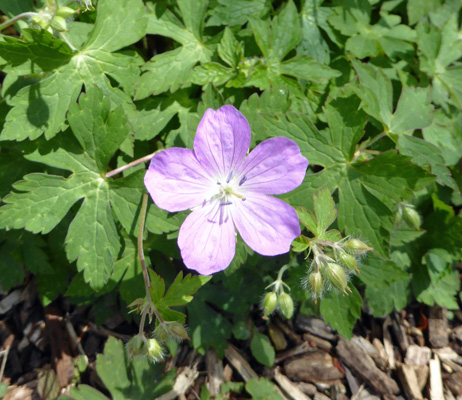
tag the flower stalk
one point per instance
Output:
(16, 19)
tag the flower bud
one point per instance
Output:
(336, 276)
(59, 23)
(41, 21)
(155, 352)
(348, 261)
(177, 331)
(269, 303)
(316, 285)
(65, 12)
(356, 247)
(411, 217)
(286, 305)
(136, 346)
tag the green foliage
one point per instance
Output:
(125, 379)
(262, 389)
(370, 91)
(342, 311)
(262, 349)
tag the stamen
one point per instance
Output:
(218, 183)
(229, 176)
(226, 203)
(241, 182)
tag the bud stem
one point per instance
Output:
(132, 164)
(147, 282)
(16, 19)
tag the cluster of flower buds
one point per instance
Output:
(52, 18)
(408, 214)
(278, 299)
(140, 346)
(333, 263)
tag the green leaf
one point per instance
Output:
(262, 349)
(375, 90)
(271, 101)
(380, 273)
(262, 389)
(126, 196)
(353, 17)
(99, 130)
(341, 311)
(383, 300)
(85, 392)
(172, 69)
(446, 134)
(118, 24)
(41, 107)
(237, 12)
(138, 379)
(229, 49)
(211, 73)
(179, 293)
(365, 190)
(37, 52)
(438, 283)
(312, 43)
(300, 244)
(308, 219)
(43, 200)
(325, 211)
(208, 328)
(428, 157)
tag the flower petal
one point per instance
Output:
(266, 224)
(275, 166)
(222, 140)
(207, 239)
(176, 181)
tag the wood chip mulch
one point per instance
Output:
(412, 354)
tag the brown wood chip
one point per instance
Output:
(364, 367)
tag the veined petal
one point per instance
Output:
(275, 166)
(266, 224)
(222, 140)
(207, 239)
(176, 181)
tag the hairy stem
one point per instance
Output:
(132, 164)
(16, 19)
(147, 282)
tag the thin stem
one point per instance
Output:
(132, 164)
(67, 41)
(16, 19)
(147, 283)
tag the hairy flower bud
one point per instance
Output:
(59, 23)
(348, 261)
(316, 285)
(65, 12)
(356, 247)
(411, 217)
(154, 350)
(336, 276)
(269, 303)
(137, 346)
(286, 305)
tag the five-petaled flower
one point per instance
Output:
(228, 191)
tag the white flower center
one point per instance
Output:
(230, 190)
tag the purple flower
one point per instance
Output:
(228, 191)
